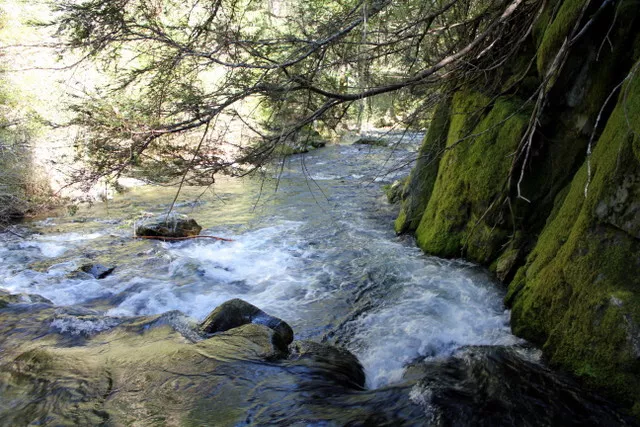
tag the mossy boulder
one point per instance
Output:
(174, 227)
(395, 190)
(302, 141)
(371, 140)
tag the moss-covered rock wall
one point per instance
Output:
(471, 179)
(579, 293)
(418, 188)
(569, 247)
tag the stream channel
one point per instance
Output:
(320, 253)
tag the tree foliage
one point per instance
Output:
(183, 68)
(23, 190)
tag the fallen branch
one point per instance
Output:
(182, 238)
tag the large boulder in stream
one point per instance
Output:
(173, 227)
(236, 312)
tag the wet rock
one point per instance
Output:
(301, 141)
(502, 386)
(333, 363)
(236, 312)
(7, 298)
(254, 341)
(394, 192)
(172, 228)
(299, 146)
(98, 271)
(621, 207)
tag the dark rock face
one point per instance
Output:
(173, 228)
(620, 206)
(98, 271)
(495, 386)
(336, 364)
(236, 312)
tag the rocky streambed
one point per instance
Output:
(241, 366)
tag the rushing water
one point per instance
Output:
(319, 252)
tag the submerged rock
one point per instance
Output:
(236, 312)
(172, 228)
(257, 342)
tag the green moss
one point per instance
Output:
(400, 224)
(505, 265)
(395, 191)
(419, 186)
(541, 24)
(556, 32)
(471, 179)
(578, 294)
(635, 411)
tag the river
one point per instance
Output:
(321, 254)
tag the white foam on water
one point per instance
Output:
(323, 177)
(70, 237)
(256, 267)
(54, 286)
(78, 326)
(48, 249)
(437, 311)
(55, 245)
